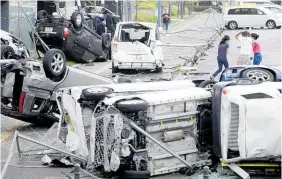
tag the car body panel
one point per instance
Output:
(258, 121)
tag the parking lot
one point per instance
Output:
(193, 31)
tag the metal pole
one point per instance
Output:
(159, 12)
(54, 148)
(116, 7)
(76, 171)
(206, 172)
(133, 125)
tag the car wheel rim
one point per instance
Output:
(78, 19)
(270, 25)
(97, 90)
(57, 63)
(258, 75)
(232, 25)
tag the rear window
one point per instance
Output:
(134, 32)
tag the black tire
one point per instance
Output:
(278, 27)
(264, 75)
(106, 40)
(95, 93)
(159, 69)
(124, 80)
(54, 56)
(270, 24)
(114, 69)
(76, 25)
(207, 84)
(42, 14)
(132, 105)
(7, 52)
(127, 174)
(232, 25)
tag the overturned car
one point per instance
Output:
(147, 133)
(76, 36)
(28, 88)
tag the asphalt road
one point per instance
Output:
(196, 30)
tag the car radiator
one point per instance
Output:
(234, 127)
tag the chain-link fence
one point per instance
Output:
(18, 22)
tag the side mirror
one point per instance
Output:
(62, 4)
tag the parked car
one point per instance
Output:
(78, 41)
(251, 16)
(11, 46)
(149, 133)
(136, 45)
(28, 87)
(259, 73)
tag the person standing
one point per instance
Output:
(245, 57)
(166, 19)
(223, 50)
(256, 49)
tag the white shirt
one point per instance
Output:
(246, 45)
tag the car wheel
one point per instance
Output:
(208, 84)
(42, 14)
(127, 174)
(258, 74)
(278, 27)
(95, 93)
(132, 105)
(270, 24)
(77, 20)
(114, 69)
(7, 52)
(54, 62)
(232, 25)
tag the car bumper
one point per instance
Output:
(137, 65)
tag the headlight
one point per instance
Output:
(78, 19)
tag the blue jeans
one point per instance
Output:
(165, 25)
(220, 63)
(257, 58)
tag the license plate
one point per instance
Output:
(48, 29)
(138, 58)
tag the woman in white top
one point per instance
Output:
(245, 57)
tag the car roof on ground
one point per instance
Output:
(148, 24)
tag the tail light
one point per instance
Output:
(66, 32)
(21, 102)
(115, 44)
(225, 91)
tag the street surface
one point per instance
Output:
(195, 30)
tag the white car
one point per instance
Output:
(157, 130)
(137, 45)
(11, 45)
(251, 16)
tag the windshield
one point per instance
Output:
(134, 32)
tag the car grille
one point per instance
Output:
(234, 126)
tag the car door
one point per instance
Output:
(156, 44)
(257, 17)
(244, 17)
